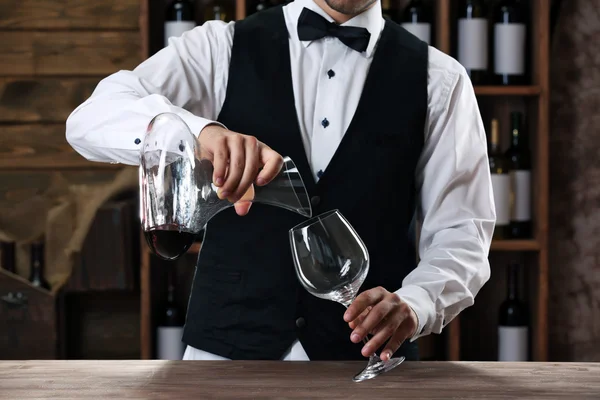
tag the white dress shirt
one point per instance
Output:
(455, 201)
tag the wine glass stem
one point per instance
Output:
(367, 336)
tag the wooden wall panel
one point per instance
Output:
(69, 14)
(574, 237)
(42, 99)
(68, 53)
(32, 146)
(18, 186)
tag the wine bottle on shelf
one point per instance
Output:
(417, 20)
(36, 275)
(510, 38)
(179, 18)
(513, 322)
(520, 177)
(500, 183)
(7, 256)
(217, 10)
(169, 332)
(262, 5)
(389, 11)
(473, 40)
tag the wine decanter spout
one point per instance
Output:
(178, 197)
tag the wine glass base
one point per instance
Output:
(377, 367)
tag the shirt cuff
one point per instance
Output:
(195, 123)
(419, 301)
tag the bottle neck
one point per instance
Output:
(171, 288)
(516, 131)
(513, 282)
(37, 259)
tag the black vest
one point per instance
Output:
(246, 301)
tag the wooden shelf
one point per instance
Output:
(501, 98)
(515, 245)
(26, 283)
(508, 90)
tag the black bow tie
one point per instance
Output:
(312, 26)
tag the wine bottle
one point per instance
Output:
(520, 177)
(473, 40)
(170, 330)
(179, 19)
(7, 256)
(389, 11)
(262, 5)
(36, 274)
(513, 322)
(217, 10)
(510, 36)
(417, 20)
(500, 183)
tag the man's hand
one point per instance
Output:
(237, 160)
(384, 315)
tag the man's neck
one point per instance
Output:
(338, 17)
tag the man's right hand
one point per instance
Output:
(239, 161)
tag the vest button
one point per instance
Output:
(300, 322)
(315, 200)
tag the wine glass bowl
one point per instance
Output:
(178, 196)
(332, 262)
(331, 269)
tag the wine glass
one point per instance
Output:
(332, 263)
(177, 194)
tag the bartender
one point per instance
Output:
(381, 126)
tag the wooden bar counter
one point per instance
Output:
(24, 380)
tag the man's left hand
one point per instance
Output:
(385, 316)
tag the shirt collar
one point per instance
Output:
(372, 20)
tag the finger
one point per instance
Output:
(242, 207)
(272, 162)
(250, 169)
(360, 318)
(220, 153)
(237, 163)
(382, 332)
(367, 298)
(371, 321)
(401, 334)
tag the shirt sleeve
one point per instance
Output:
(188, 78)
(456, 205)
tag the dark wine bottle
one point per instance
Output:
(510, 38)
(179, 18)
(520, 176)
(499, 170)
(389, 11)
(417, 20)
(473, 40)
(7, 256)
(170, 329)
(218, 10)
(260, 5)
(513, 322)
(36, 275)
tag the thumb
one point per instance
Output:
(242, 207)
